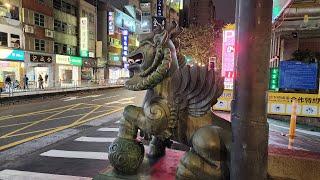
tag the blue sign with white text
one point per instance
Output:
(298, 75)
(12, 54)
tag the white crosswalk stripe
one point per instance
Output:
(109, 129)
(76, 154)
(8, 174)
(95, 139)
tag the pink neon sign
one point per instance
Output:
(228, 52)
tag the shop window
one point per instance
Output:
(15, 41)
(39, 19)
(3, 39)
(39, 45)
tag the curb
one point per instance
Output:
(15, 99)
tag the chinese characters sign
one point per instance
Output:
(40, 58)
(274, 79)
(125, 43)
(228, 57)
(280, 103)
(111, 23)
(84, 52)
(159, 7)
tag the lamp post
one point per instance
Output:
(249, 155)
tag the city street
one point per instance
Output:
(25, 122)
(76, 131)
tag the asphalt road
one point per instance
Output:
(26, 122)
(67, 137)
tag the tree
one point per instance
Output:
(198, 43)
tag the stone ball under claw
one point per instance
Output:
(126, 155)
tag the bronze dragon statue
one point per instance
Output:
(177, 106)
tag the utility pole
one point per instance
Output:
(250, 129)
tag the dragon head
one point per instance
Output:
(153, 61)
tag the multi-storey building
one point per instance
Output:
(37, 19)
(118, 28)
(11, 41)
(66, 42)
(88, 38)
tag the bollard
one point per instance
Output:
(293, 120)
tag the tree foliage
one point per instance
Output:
(197, 42)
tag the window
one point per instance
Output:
(3, 39)
(39, 45)
(39, 19)
(57, 4)
(64, 27)
(56, 48)
(40, 1)
(57, 25)
(15, 41)
(64, 49)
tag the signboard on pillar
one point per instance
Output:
(159, 7)
(157, 21)
(111, 23)
(278, 7)
(84, 51)
(125, 44)
(228, 56)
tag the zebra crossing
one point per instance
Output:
(87, 151)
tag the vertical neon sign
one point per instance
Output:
(228, 56)
(125, 44)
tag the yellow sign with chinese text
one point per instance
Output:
(280, 103)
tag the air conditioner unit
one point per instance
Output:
(28, 29)
(49, 33)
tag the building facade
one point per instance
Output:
(36, 16)
(87, 39)
(11, 41)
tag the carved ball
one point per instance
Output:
(126, 155)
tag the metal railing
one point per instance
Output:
(57, 86)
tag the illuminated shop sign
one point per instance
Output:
(278, 7)
(84, 52)
(111, 23)
(12, 54)
(68, 60)
(40, 58)
(274, 79)
(125, 43)
(228, 56)
(123, 20)
(159, 7)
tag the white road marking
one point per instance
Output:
(94, 139)
(299, 130)
(76, 154)
(8, 174)
(72, 98)
(117, 122)
(109, 129)
(108, 97)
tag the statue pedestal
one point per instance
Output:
(151, 169)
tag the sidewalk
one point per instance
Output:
(299, 159)
(5, 97)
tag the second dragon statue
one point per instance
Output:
(177, 106)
